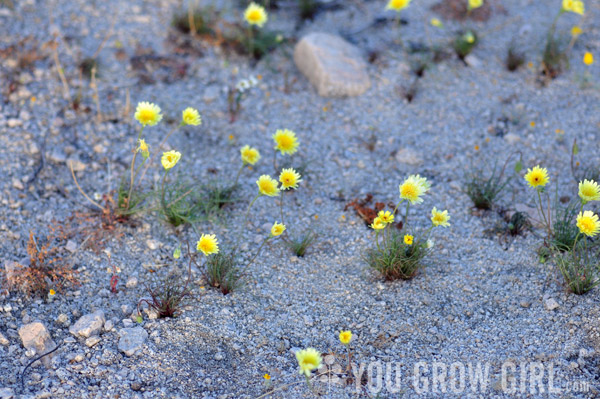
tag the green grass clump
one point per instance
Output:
(221, 271)
(300, 244)
(579, 269)
(464, 43)
(483, 191)
(397, 260)
(564, 227)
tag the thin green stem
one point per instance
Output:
(250, 41)
(377, 240)
(258, 251)
(405, 220)
(237, 177)
(548, 227)
(248, 210)
(162, 190)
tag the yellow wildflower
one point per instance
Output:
(285, 141)
(170, 159)
(408, 239)
(308, 359)
(436, 22)
(589, 191)
(588, 58)
(386, 217)
(397, 5)
(576, 31)
(277, 229)
(537, 177)
(147, 114)
(439, 218)
(250, 155)
(208, 244)
(267, 377)
(588, 223)
(267, 186)
(289, 178)
(473, 4)
(345, 337)
(576, 6)
(413, 188)
(190, 116)
(255, 15)
(143, 148)
(51, 292)
(378, 224)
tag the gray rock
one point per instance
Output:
(34, 336)
(3, 340)
(91, 341)
(88, 325)
(132, 340)
(551, 304)
(131, 282)
(7, 393)
(334, 66)
(409, 157)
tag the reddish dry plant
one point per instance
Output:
(366, 213)
(98, 226)
(47, 268)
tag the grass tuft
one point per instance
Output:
(299, 245)
(221, 271)
(397, 260)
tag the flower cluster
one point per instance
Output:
(576, 262)
(400, 255)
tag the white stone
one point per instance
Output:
(551, 304)
(132, 340)
(88, 325)
(334, 66)
(35, 337)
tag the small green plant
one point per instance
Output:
(579, 269)
(484, 190)
(179, 203)
(236, 94)
(300, 244)
(582, 172)
(221, 271)
(169, 294)
(555, 55)
(196, 22)
(308, 8)
(564, 228)
(464, 43)
(400, 254)
(397, 259)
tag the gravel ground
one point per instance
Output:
(477, 301)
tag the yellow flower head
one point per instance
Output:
(397, 5)
(588, 58)
(589, 191)
(267, 186)
(345, 337)
(250, 155)
(277, 229)
(408, 239)
(308, 359)
(51, 292)
(588, 223)
(267, 377)
(378, 224)
(208, 244)
(386, 217)
(285, 141)
(576, 31)
(289, 178)
(190, 116)
(537, 177)
(474, 4)
(439, 218)
(147, 114)
(576, 6)
(413, 188)
(143, 148)
(170, 159)
(436, 22)
(255, 15)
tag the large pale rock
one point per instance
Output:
(132, 340)
(88, 325)
(334, 66)
(35, 336)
